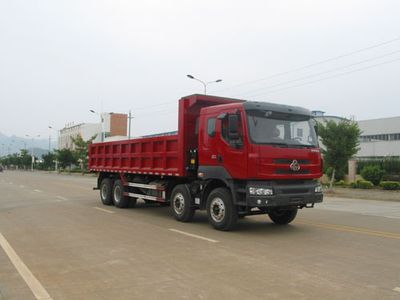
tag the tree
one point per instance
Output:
(48, 160)
(341, 141)
(25, 159)
(81, 151)
(65, 157)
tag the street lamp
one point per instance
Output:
(56, 161)
(102, 121)
(203, 82)
(32, 152)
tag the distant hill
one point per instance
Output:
(14, 144)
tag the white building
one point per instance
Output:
(379, 137)
(86, 130)
(113, 126)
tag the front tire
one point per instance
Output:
(106, 187)
(119, 199)
(283, 216)
(181, 203)
(222, 213)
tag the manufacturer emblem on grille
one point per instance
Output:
(295, 166)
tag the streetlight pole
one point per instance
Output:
(129, 124)
(102, 121)
(203, 82)
(56, 161)
(32, 151)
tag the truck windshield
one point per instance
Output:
(287, 130)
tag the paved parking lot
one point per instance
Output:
(58, 242)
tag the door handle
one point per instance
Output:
(219, 158)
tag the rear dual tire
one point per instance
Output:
(119, 199)
(106, 187)
(112, 192)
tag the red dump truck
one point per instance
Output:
(231, 157)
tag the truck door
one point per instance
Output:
(230, 144)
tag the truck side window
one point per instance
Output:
(225, 135)
(211, 127)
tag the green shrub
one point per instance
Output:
(365, 184)
(353, 185)
(340, 183)
(361, 184)
(390, 185)
(373, 174)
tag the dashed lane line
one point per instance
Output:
(35, 286)
(105, 210)
(397, 289)
(37, 191)
(193, 235)
(62, 198)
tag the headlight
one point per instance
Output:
(260, 191)
(318, 189)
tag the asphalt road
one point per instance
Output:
(58, 242)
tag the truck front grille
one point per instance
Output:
(295, 191)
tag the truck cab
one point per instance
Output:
(266, 154)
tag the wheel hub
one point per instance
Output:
(217, 210)
(179, 203)
(117, 194)
(104, 192)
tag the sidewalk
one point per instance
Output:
(372, 194)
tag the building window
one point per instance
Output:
(300, 132)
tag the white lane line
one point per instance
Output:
(62, 198)
(194, 235)
(397, 289)
(21, 186)
(105, 210)
(36, 287)
(37, 191)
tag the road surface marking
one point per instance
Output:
(62, 198)
(37, 191)
(21, 186)
(397, 289)
(194, 235)
(36, 287)
(344, 228)
(105, 210)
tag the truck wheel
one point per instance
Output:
(181, 205)
(283, 216)
(106, 191)
(119, 199)
(222, 214)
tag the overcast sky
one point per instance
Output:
(59, 59)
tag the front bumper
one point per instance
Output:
(298, 194)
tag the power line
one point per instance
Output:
(320, 73)
(326, 78)
(310, 65)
